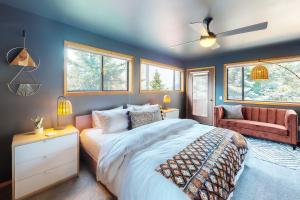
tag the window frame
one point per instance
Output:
(102, 52)
(165, 66)
(253, 62)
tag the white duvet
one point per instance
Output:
(127, 161)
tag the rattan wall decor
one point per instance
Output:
(23, 83)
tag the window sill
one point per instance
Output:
(271, 103)
(90, 93)
(159, 91)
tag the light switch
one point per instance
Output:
(220, 98)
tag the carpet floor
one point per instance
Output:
(261, 180)
(274, 152)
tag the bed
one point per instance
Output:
(130, 163)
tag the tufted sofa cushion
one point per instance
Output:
(255, 125)
(269, 123)
(268, 115)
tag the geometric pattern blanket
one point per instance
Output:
(206, 168)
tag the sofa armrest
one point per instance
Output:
(291, 123)
(218, 114)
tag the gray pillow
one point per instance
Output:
(233, 112)
(139, 118)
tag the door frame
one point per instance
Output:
(187, 87)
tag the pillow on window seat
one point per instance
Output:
(233, 112)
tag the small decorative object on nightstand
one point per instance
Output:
(39, 162)
(170, 113)
(166, 100)
(38, 125)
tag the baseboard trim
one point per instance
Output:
(5, 184)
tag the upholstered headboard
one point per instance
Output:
(83, 122)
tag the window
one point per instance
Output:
(89, 70)
(160, 77)
(278, 89)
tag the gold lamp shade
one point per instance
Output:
(64, 107)
(167, 99)
(259, 72)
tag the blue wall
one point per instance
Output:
(279, 50)
(46, 39)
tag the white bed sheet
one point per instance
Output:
(134, 177)
(91, 138)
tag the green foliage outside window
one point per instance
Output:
(84, 72)
(156, 83)
(282, 86)
(160, 78)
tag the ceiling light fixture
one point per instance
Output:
(208, 41)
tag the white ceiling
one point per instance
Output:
(159, 24)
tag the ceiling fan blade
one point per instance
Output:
(215, 46)
(199, 27)
(196, 22)
(184, 43)
(246, 29)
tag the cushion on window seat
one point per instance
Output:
(255, 125)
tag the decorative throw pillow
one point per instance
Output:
(137, 107)
(139, 118)
(154, 107)
(110, 121)
(233, 112)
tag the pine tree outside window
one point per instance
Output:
(158, 77)
(92, 71)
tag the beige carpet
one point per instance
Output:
(84, 187)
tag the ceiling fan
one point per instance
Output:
(209, 39)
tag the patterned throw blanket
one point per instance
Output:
(206, 168)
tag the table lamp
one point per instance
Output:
(166, 100)
(64, 108)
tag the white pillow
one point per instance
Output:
(150, 108)
(117, 108)
(137, 107)
(110, 121)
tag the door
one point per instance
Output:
(201, 94)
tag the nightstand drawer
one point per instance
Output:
(39, 149)
(44, 179)
(37, 165)
(171, 113)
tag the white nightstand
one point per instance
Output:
(40, 161)
(170, 113)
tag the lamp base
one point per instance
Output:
(165, 106)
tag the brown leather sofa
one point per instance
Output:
(279, 125)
